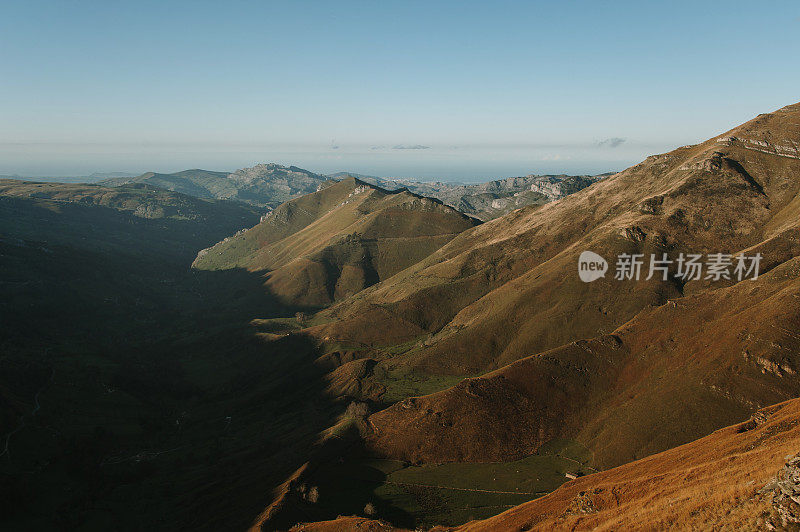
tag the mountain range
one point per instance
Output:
(493, 198)
(623, 369)
(263, 185)
(274, 349)
(269, 185)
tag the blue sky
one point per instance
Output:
(492, 88)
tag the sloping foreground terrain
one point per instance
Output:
(745, 476)
(332, 244)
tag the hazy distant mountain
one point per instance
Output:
(91, 178)
(96, 176)
(269, 185)
(262, 185)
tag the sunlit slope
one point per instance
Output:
(735, 478)
(669, 361)
(509, 288)
(331, 244)
(668, 376)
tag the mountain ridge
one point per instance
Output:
(269, 184)
(333, 243)
(263, 185)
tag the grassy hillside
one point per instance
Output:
(515, 292)
(670, 374)
(329, 245)
(624, 368)
(735, 478)
(510, 285)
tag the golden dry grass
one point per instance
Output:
(709, 484)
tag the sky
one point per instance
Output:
(471, 90)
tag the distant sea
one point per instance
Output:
(466, 164)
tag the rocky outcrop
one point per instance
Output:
(783, 492)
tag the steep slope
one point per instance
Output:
(709, 357)
(626, 368)
(736, 478)
(509, 288)
(331, 244)
(666, 377)
(264, 185)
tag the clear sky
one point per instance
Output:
(492, 88)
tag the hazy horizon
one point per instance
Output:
(493, 90)
(447, 163)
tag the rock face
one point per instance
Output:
(274, 183)
(783, 492)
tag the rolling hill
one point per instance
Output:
(333, 243)
(84, 216)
